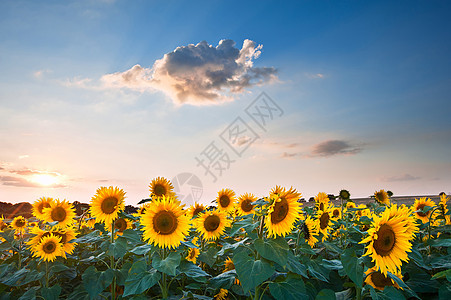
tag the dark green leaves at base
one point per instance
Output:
(251, 272)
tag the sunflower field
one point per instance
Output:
(243, 247)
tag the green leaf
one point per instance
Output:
(168, 265)
(251, 272)
(131, 236)
(193, 271)
(16, 277)
(32, 275)
(30, 294)
(95, 282)
(295, 266)
(273, 249)
(393, 293)
(51, 293)
(118, 248)
(89, 238)
(79, 293)
(224, 280)
(352, 266)
(444, 292)
(292, 288)
(446, 273)
(140, 279)
(142, 250)
(209, 256)
(326, 294)
(333, 264)
(441, 242)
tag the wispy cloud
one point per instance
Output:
(33, 172)
(22, 182)
(197, 74)
(334, 147)
(405, 177)
(315, 75)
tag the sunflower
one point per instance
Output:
(344, 194)
(195, 241)
(3, 225)
(193, 253)
(160, 187)
(226, 200)
(120, 225)
(221, 295)
(61, 211)
(66, 235)
(418, 208)
(335, 213)
(283, 212)
(444, 208)
(39, 205)
(389, 240)
(245, 206)
(324, 222)
(379, 281)
(165, 223)
(106, 204)
(382, 197)
(310, 230)
(211, 224)
(19, 223)
(195, 210)
(49, 248)
(322, 201)
(276, 191)
(350, 204)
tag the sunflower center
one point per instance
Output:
(224, 201)
(321, 206)
(336, 213)
(164, 222)
(385, 240)
(280, 211)
(380, 280)
(20, 223)
(49, 247)
(420, 207)
(59, 214)
(42, 205)
(109, 205)
(120, 225)
(211, 223)
(324, 220)
(159, 190)
(191, 254)
(246, 205)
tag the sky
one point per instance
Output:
(317, 95)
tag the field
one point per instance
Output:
(243, 248)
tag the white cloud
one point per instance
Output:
(405, 177)
(198, 74)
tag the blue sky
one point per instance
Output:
(364, 88)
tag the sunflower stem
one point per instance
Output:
(164, 287)
(113, 284)
(46, 274)
(262, 222)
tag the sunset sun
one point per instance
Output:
(45, 179)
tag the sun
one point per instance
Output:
(45, 179)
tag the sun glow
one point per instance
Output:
(45, 179)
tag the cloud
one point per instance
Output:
(198, 74)
(27, 172)
(334, 147)
(24, 156)
(22, 182)
(289, 155)
(405, 177)
(315, 76)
